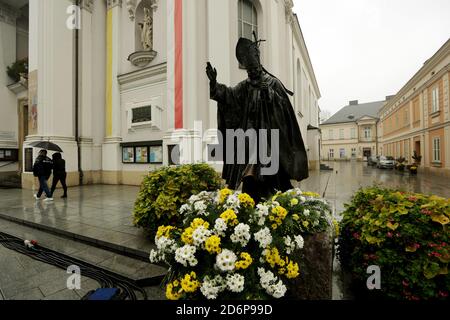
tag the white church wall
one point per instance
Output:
(8, 109)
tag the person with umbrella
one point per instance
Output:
(59, 173)
(42, 169)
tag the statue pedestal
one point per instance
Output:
(316, 269)
(142, 58)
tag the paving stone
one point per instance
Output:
(30, 295)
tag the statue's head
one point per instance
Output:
(248, 55)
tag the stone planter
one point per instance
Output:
(316, 268)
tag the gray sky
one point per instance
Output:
(367, 49)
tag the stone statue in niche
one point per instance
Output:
(147, 30)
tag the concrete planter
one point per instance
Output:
(316, 268)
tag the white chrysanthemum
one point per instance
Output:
(165, 244)
(226, 260)
(194, 198)
(154, 256)
(290, 245)
(241, 234)
(185, 208)
(302, 199)
(200, 235)
(186, 256)
(264, 237)
(306, 212)
(235, 283)
(220, 226)
(262, 211)
(271, 283)
(233, 202)
(200, 207)
(212, 287)
(299, 241)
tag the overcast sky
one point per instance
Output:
(367, 49)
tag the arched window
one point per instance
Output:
(248, 19)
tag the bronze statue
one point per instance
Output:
(259, 102)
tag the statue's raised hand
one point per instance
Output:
(211, 73)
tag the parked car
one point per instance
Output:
(372, 160)
(386, 162)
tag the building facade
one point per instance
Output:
(352, 133)
(120, 84)
(417, 119)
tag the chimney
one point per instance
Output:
(354, 103)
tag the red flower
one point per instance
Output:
(389, 234)
(405, 283)
(356, 235)
(412, 198)
(414, 298)
(443, 294)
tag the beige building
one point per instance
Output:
(418, 118)
(352, 133)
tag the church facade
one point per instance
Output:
(120, 85)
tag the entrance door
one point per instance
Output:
(367, 153)
(417, 148)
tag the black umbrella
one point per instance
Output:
(47, 145)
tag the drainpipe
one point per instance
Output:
(77, 100)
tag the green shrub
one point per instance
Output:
(406, 235)
(164, 191)
(18, 67)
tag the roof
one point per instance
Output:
(358, 112)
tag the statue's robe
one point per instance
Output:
(253, 105)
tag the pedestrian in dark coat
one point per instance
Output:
(59, 173)
(42, 169)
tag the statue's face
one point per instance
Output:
(254, 72)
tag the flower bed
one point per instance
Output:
(406, 235)
(164, 191)
(228, 248)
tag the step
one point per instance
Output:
(143, 272)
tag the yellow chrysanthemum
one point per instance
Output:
(305, 224)
(277, 215)
(198, 222)
(273, 257)
(294, 202)
(245, 262)
(189, 283)
(164, 231)
(292, 270)
(212, 244)
(311, 194)
(223, 194)
(186, 236)
(246, 200)
(172, 293)
(229, 217)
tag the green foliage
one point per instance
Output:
(17, 68)
(406, 235)
(164, 191)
